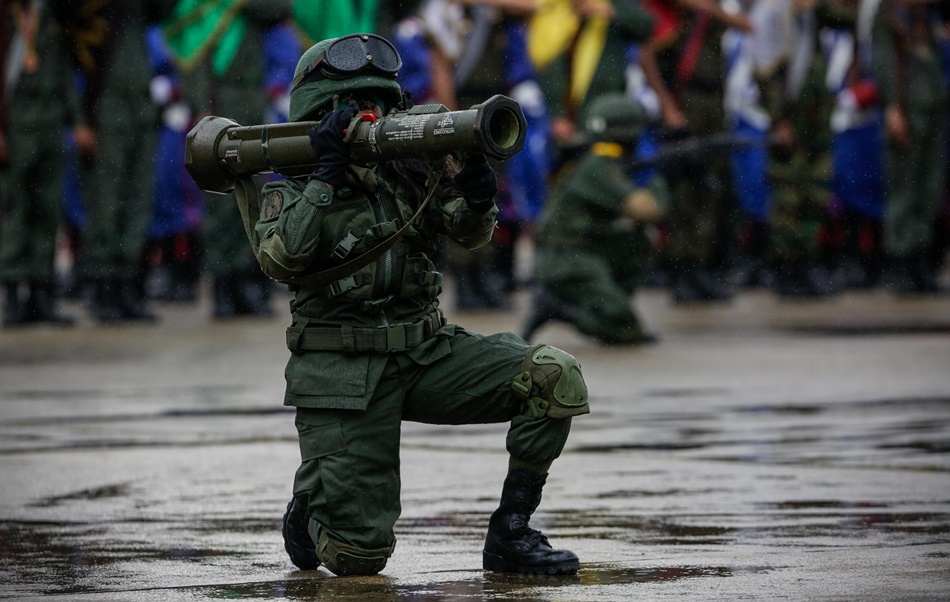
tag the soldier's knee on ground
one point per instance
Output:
(343, 559)
(551, 384)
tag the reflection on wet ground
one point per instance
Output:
(75, 556)
(480, 586)
(713, 468)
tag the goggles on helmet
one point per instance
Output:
(350, 55)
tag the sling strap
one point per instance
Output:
(347, 268)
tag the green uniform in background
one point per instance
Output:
(221, 58)
(800, 172)
(42, 101)
(908, 73)
(120, 184)
(591, 256)
(691, 66)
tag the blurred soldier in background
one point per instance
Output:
(594, 239)
(907, 69)
(40, 98)
(109, 43)
(220, 53)
(580, 51)
(460, 55)
(791, 71)
(683, 63)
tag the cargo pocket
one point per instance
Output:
(331, 380)
(317, 442)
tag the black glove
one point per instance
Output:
(326, 139)
(476, 181)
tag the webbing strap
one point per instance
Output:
(324, 277)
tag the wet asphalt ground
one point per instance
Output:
(763, 450)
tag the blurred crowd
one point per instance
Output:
(804, 142)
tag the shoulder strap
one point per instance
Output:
(325, 277)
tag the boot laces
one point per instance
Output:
(520, 529)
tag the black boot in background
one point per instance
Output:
(251, 295)
(222, 292)
(131, 301)
(545, 307)
(105, 301)
(711, 284)
(511, 545)
(14, 310)
(41, 305)
(684, 288)
(899, 277)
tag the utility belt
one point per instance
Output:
(302, 336)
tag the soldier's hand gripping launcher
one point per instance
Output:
(218, 150)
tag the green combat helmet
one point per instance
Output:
(614, 117)
(333, 69)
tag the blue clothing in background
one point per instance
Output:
(749, 166)
(74, 209)
(858, 168)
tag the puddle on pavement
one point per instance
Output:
(96, 493)
(481, 585)
(866, 329)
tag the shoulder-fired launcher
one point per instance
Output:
(218, 150)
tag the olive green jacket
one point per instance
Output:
(584, 211)
(303, 226)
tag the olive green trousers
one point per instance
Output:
(349, 471)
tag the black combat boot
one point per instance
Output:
(819, 281)
(511, 545)
(251, 295)
(684, 288)
(41, 305)
(14, 311)
(546, 306)
(222, 292)
(297, 540)
(900, 278)
(105, 301)
(924, 274)
(131, 301)
(711, 284)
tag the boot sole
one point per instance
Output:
(497, 564)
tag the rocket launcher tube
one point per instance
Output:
(218, 150)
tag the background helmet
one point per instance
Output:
(340, 66)
(614, 117)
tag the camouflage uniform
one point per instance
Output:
(800, 173)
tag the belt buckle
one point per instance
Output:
(396, 337)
